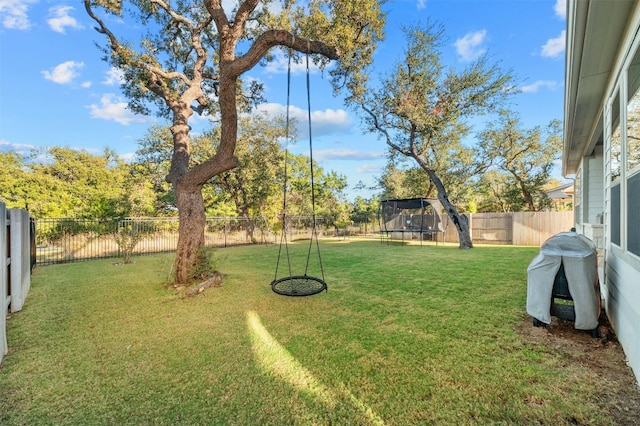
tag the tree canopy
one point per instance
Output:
(524, 156)
(420, 108)
(191, 57)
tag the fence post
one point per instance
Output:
(20, 252)
(225, 230)
(4, 278)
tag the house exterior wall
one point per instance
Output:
(622, 299)
(607, 185)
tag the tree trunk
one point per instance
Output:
(188, 183)
(461, 222)
(527, 196)
(190, 231)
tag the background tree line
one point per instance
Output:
(63, 182)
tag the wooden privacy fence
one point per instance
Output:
(519, 228)
(16, 244)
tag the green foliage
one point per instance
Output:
(365, 210)
(209, 262)
(152, 163)
(524, 160)
(255, 186)
(63, 182)
(402, 180)
(128, 234)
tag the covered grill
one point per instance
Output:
(565, 268)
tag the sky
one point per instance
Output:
(55, 90)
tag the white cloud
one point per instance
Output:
(554, 46)
(346, 154)
(113, 108)
(13, 14)
(114, 77)
(370, 168)
(15, 147)
(422, 4)
(470, 46)
(86, 84)
(61, 19)
(329, 121)
(272, 109)
(63, 73)
(128, 157)
(534, 87)
(560, 8)
(280, 63)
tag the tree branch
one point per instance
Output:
(176, 17)
(217, 13)
(242, 15)
(272, 38)
(378, 127)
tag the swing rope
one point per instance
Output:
(299, 285)
(314, 230)
(283, 235)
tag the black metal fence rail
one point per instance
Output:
(61, 240)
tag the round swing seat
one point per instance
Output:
(298, 285)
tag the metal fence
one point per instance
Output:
(61, 240)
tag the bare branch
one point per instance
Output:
(176, 17)
(385, 133)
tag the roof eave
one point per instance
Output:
(594, 33)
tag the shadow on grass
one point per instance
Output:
(275, 359)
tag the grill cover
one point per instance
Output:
(579, 256)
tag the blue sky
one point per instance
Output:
(56, 91)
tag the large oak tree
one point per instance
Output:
(420, 108)
(191, 56)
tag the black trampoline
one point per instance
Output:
(412, 219)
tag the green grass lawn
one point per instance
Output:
(405, 335)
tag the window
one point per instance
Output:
(577, 198)
(633, 114)
(616, 143)
(615, 214)
(633, 214)
(633, 156)
(616, 162)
